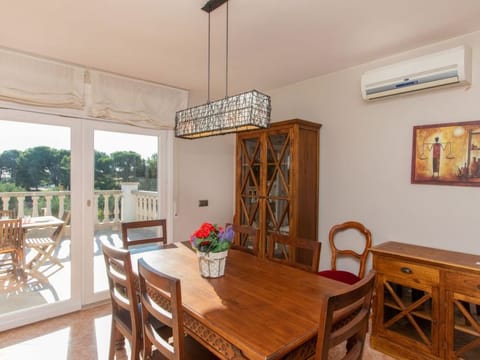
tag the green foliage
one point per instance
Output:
(10, 187)
(45, 167)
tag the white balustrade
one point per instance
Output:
(147, 205)
(36, 203)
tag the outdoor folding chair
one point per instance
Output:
(11, 246)
(45, 242)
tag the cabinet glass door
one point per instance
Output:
(250, 182)
(278, 183)
(464, 323)
(409, 312)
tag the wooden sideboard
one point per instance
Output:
(426, 302)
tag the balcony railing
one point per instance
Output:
(107, 204)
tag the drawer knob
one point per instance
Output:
(406, 270)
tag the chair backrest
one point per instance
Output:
(361, 256)
(66, 217)
(245, 239)
(294, 251)
(344, 317)
(161, 300)
(147, 232)
(7, 214)
(11, 234)
(57, 234)
(122, 292)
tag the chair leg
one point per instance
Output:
(116, 341)
(136, 347)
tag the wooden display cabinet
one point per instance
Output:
(426, 301)
(277, 175)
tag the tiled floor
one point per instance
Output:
(80, 335)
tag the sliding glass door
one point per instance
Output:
(99, 174)
(124, 184)
(37, 172)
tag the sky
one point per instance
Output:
(21, 136)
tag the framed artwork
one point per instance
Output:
(446, 154)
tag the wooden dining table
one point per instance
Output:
(259, 309)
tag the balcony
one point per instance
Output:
(48, 285)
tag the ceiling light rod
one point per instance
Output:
(246, 111)
(209, 7)
(212, 5)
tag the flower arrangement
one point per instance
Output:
(212, 238)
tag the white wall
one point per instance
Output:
(365, 160)
(204, 170)
(365, 156)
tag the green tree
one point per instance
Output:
(9, 165)
(59, 167)
(104, 174)
(127, 165)
(34, 167)
(64, 175)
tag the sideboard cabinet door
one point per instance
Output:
(427, 302)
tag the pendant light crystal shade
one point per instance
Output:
(242, 112)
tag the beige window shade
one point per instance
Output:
(135, 102)
(34, 81)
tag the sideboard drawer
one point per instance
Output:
(462, 283)
(407, 270)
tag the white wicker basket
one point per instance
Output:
(212, 265)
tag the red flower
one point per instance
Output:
(204, 231)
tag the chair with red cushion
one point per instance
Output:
(342, 275)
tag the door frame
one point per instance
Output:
(37, 313)
(81, 175)
(165, 192)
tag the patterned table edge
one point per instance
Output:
(228, 351)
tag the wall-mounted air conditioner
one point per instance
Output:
(448, 67)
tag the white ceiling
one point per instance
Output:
(271, 42)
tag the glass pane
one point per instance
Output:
(35, 186)
(418, 325)
(278, 216)
(250, 182)
(278, 171)
(281, 251)
(125, 189)
(250, 177)
(466, 338)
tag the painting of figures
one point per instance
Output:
(446, 154)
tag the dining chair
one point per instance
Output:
(245, 239)
(344, 317)
(126, 322)
(161, 300)
(294, 251)
(45, 242)
(11, 239)
(144, 232)
(360, 256)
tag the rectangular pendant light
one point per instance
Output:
(242, 112)
(246, 111)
